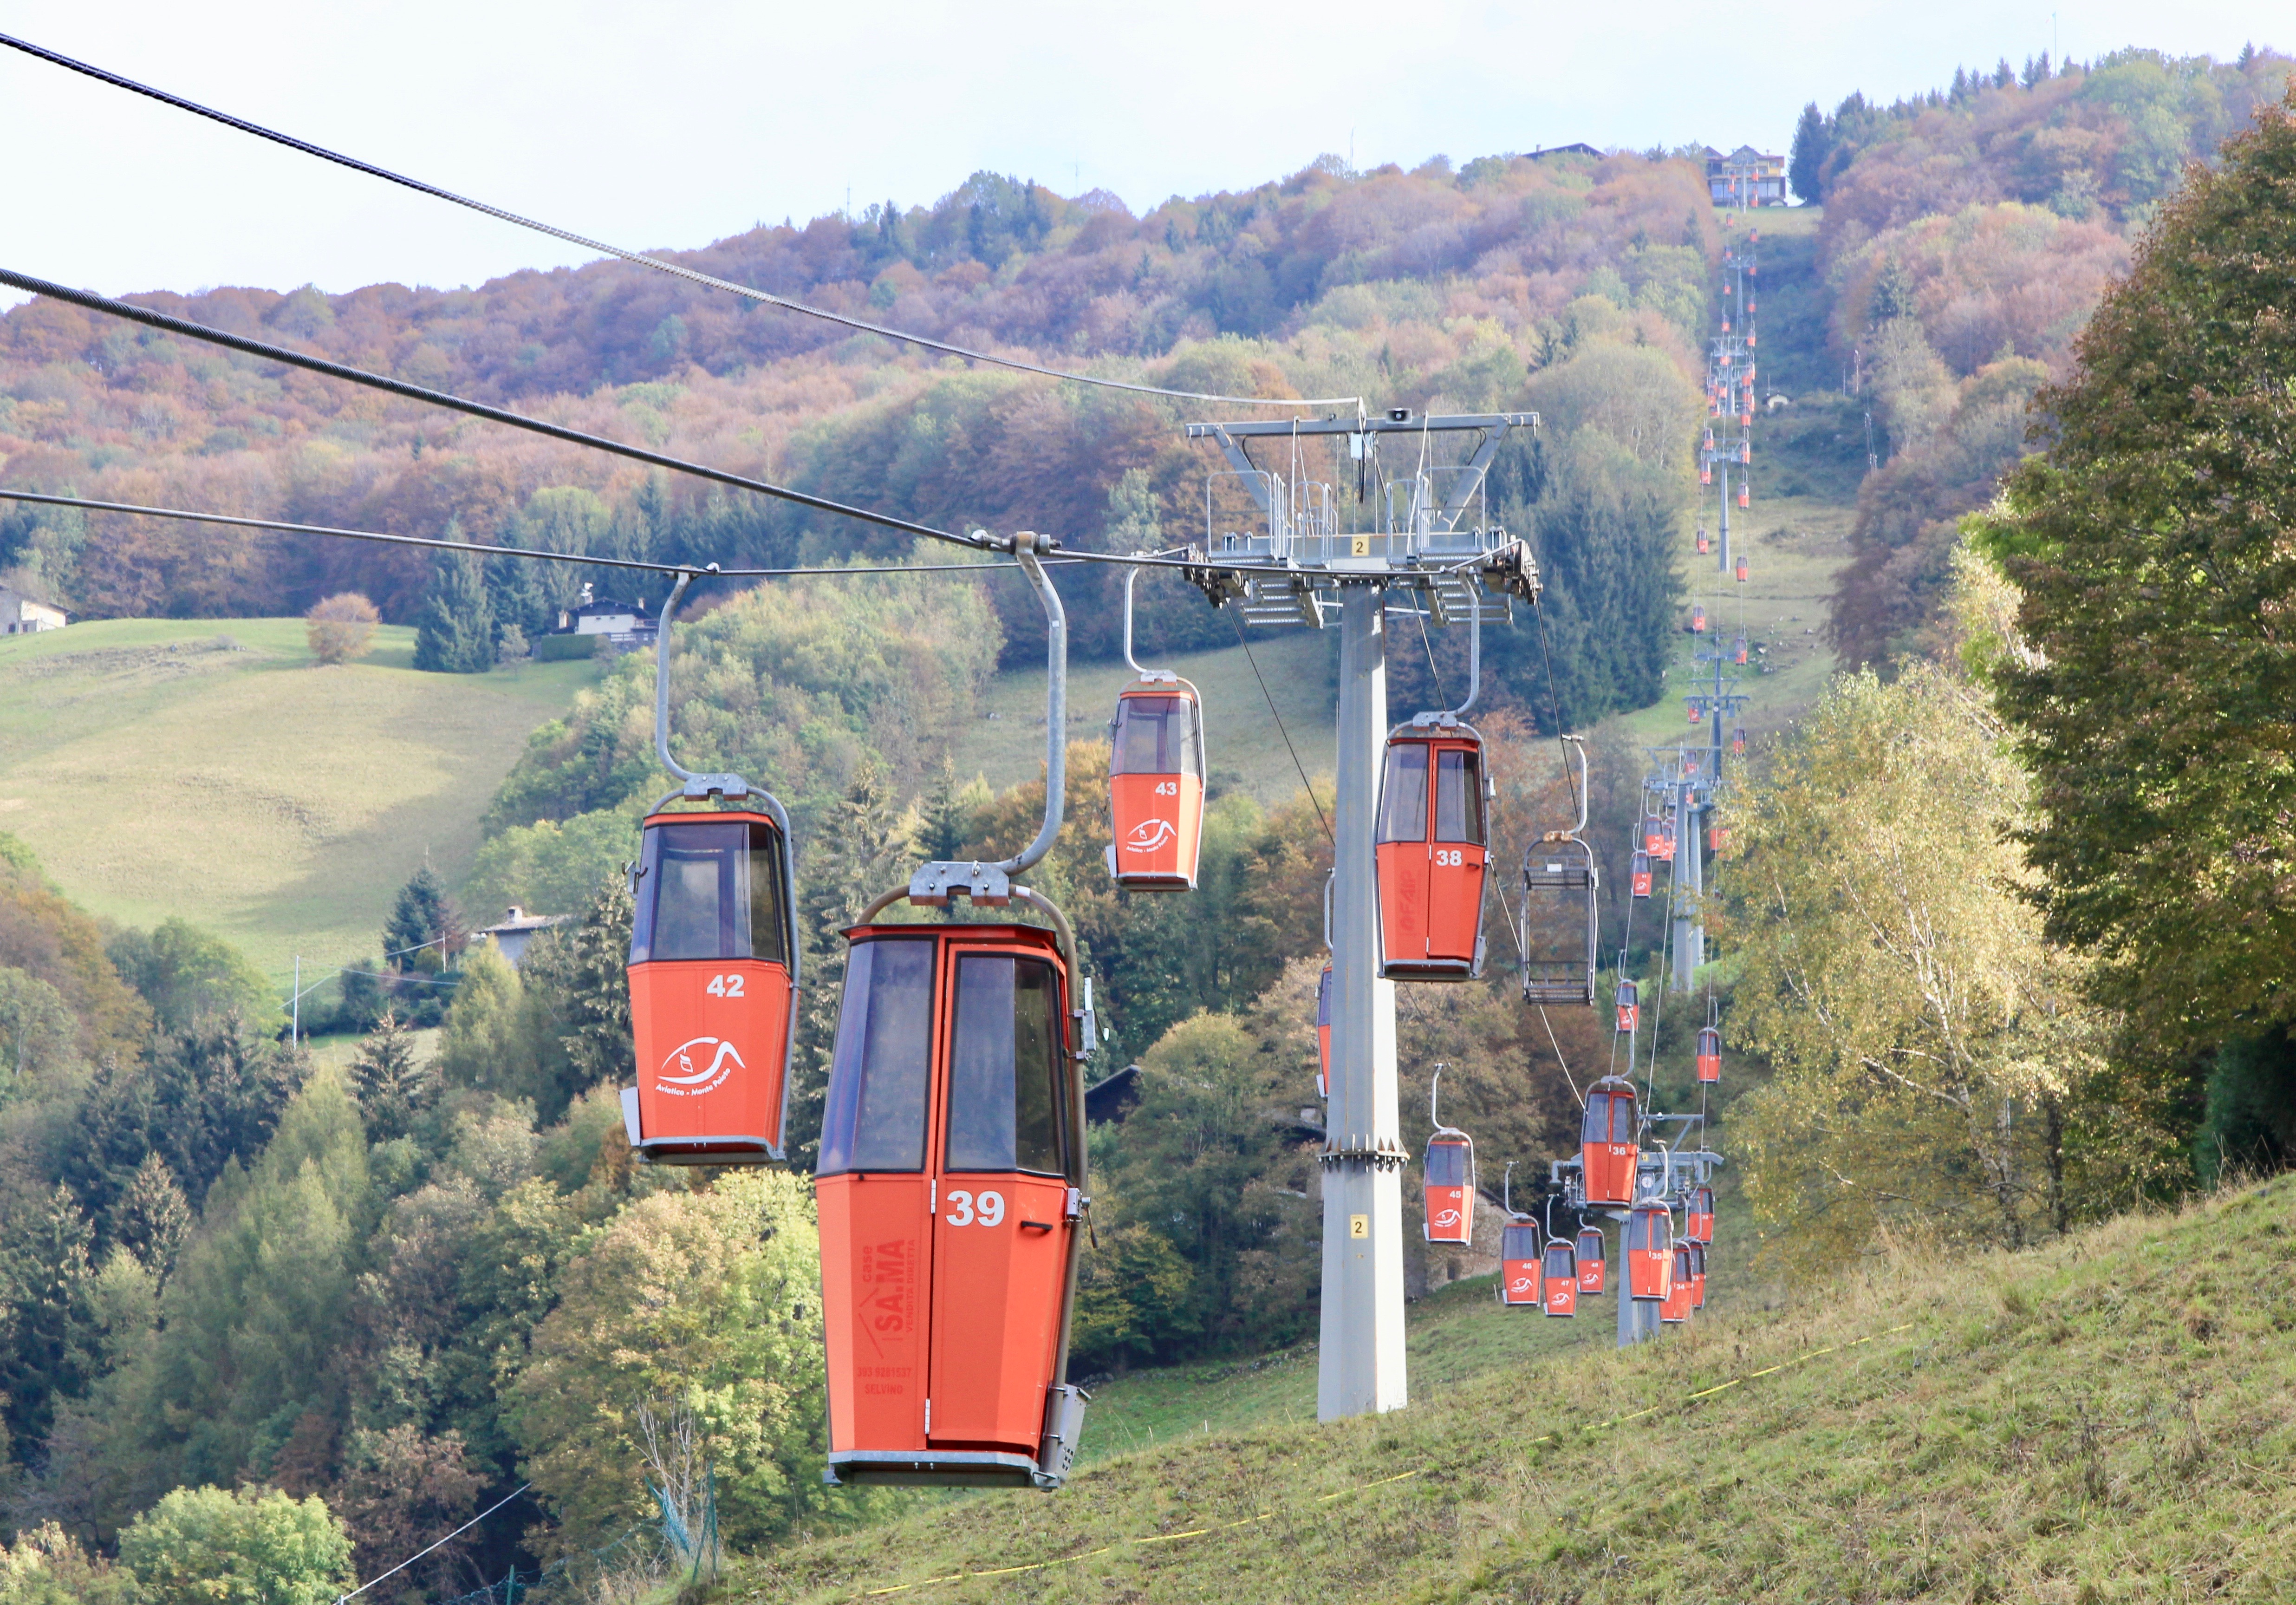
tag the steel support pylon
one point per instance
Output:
(1689, 889)
(1360, 1362)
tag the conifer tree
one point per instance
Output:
(391, 1085)
(154, 1218)
(455, 632)
(425, 925)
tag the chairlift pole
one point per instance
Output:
(1689, 885)
(1361, 1365)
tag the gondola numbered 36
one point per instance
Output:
(1610, 1144)
(1155, 776)
(712, 969)
(951, 1183)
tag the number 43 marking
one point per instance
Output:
(724, 986)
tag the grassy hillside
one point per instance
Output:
(209, 768)
(2112, 1416)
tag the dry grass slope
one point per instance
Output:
(2112, 1416)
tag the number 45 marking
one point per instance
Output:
(724, 986)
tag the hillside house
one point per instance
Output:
(20, 615)
(627, 624)
(1745, 177)
(512, 937)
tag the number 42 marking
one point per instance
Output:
(724, 986)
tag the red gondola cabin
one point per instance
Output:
(1519, 1264)
(1450, 1194)
(1698, 1215)
(1649, 1251)
(1591, 1264)
(1698, 620)
(1673, 1309)
(1664, 852)
(1697, 1276)
(1431, 852)
(711, 993)
(1562, 1279)
(949, 1189)
(1640, 874)
(1324, 1033)
(1628, 1000)
(1156, 784)
(1610, 1139)
(1709, 1054)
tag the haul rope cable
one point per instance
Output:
(418, 1554)
(978, 540)
(1224, 1527)
(637, 258)
(1280, 730)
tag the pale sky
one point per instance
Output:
(681, 121)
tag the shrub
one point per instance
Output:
(341, 627)
(215, 1546)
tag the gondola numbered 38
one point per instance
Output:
(1432, 849)
(1155, 776)
(951, 1182)
(712, 969)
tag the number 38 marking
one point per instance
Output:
(724, 986)
(1450, 858)
(962, 1209)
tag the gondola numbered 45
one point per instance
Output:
(951, 1184)
(712, 967)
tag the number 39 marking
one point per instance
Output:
(1450, 859)
(962, 1210)
(724, 986)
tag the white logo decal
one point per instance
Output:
(1149, 835)
(688, 1081)
(1446, 1217)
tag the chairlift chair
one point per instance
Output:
(1745, 499)
(1709, 1054)
(1741, 569)
(1610, 1144)
(1649, 1251)
(1591, 1264)
(1432, 847)
(712, 969)
(1450, 1176)
(1703, 544)
(1738, 650)
(1155, 776)
(1561, 1279)
(951, 1177)
(1560, 931)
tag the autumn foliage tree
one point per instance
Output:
(341, 627)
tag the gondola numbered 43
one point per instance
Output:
(713, 964)
(1155, 776)
(951, 1184)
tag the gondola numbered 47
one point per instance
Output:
(1155, 776)
(712, 967)
(1559, 1280)
(951, 1182)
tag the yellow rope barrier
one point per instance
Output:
(1203, 1532)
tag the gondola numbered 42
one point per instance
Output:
(1155, 776)
(951, 1185)
(712, 967)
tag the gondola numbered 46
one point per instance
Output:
(951, 1182)
(712, 969)
(1155, 776)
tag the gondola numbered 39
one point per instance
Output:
(1431, 850)
(951, 1184)
(712, 970)
(1155, 776)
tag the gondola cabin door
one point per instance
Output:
(1562, 1279)
(1156, 786)
(1698, 1214)
(1675, 1308)
(1519, 1264)
(710, 990)
(949, 1194)
(1432, 854)
(1450, 1190)
(1609, 1142)
(1650, 1252)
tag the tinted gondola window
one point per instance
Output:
(1458, 797)
(1155, 736)
(1323, 1000)
(1594, 1125)
(1447, 1164)
(875, 1115)
(1519, 1243)
(710, 891)
(1403, 794)
(1560, 1261)
(1005, 1067)
(1622, 1121)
